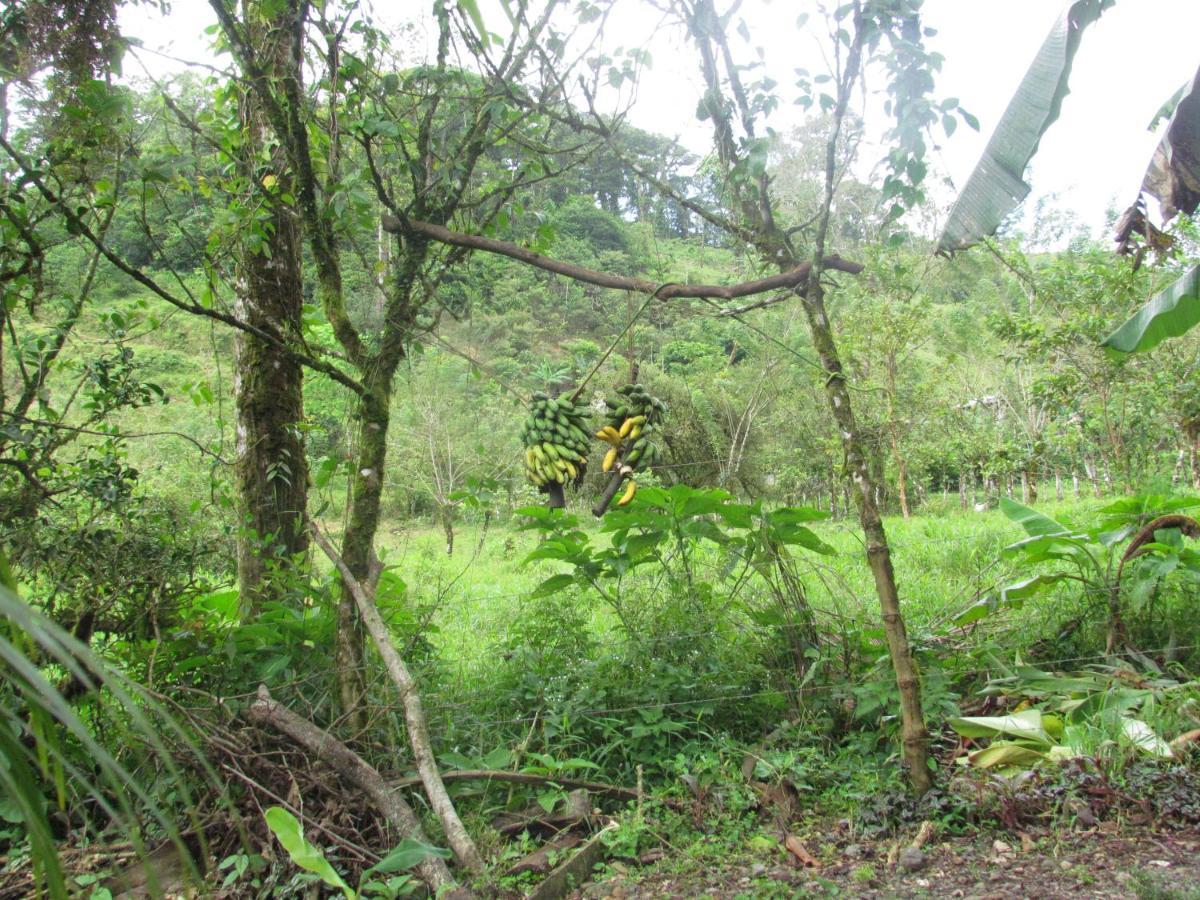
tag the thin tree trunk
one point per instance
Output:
(1024, 486)
(414, 714)
(447, 516)
(1058, 486)
(962, 491)
(914, 737)
(1075, 484)
(271, 471)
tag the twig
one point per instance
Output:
(597, 787)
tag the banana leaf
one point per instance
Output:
(1173, 176)
(1029, 726)
(1167, 314)
(996, 186)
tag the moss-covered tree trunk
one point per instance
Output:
(373, 412)
(271, 470)
(366, 499)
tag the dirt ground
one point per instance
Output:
(1107, 861)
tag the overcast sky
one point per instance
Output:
(1129, 62)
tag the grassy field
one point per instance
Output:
(945, 559)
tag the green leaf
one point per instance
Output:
(1013, 596)
(290, 834)
(552, 585)
(1167, 314)
(500, 758)
(1026, 725)
(996, 185)
(405, 855)
(1034, 522)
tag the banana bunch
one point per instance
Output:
(630, 425)
(556, 441)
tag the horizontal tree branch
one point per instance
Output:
(669, 291)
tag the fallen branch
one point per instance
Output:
(414, 714)
(351, 768)
(596, 787)
(790, 279)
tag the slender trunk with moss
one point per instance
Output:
(373, 412)
(366, 497)
(914, 737)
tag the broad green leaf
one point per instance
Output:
(405, 855)
(290, 834)
(1026, 725)
(1034, 522)
(500, 758)
(1167, 314)
(1013, 596)
(996, 185)
(552, 585)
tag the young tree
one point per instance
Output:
(862, 31)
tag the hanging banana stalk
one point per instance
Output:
(556, 443)
(632, 421)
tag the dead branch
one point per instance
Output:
(596, 787)
(414, 714)
(352, 769)
(790, 279)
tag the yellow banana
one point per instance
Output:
(635, 432)
(571, 469)
(626, 427)
(638, 420)
(609, 434)
(629, 492)
(610, 459)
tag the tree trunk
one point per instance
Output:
(1075, 485)
(962, 491)
(1024, 486)
(366, 493)
(1058, 487)
(271, 471)
(447, 516)
(914, 737)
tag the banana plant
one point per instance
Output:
(1137, 542)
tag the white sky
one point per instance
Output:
(1129, 62)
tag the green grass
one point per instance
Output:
(943, 563)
